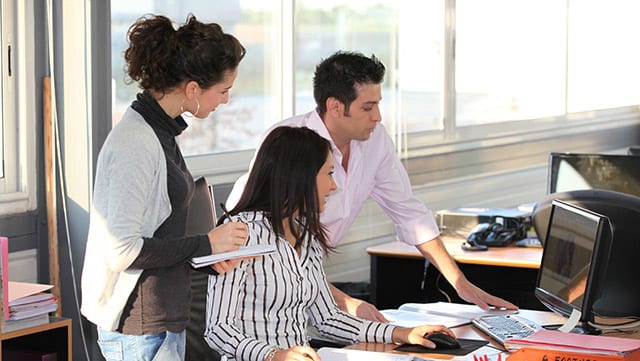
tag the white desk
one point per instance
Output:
(470, 332)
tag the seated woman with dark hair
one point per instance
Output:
(259, 311)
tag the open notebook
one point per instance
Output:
(405, 318)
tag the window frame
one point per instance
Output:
(18, 187)
(451, 138)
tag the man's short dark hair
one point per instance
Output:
(338, 75)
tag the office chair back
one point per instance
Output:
(620, 291)
(204, 208)
(220, 192)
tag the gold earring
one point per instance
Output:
(197, 108)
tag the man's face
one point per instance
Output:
(363, 114)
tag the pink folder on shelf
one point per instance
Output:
(18, 290)
(4, 264)
(13, 291)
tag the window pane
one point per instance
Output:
(421, 64)
(253, 105)
(510, 60)
(604, 65)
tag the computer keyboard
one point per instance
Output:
(504, 327)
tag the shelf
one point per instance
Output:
(54, 336)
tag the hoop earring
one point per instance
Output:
(197, 108)
(192, 114)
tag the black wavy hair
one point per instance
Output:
(282, 181)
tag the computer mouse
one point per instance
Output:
(443, 341)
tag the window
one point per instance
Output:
(509, 67)
(456, 70)
(254, 101)
(603, 62)
(3, 66)
(413, 82)
(17, 138)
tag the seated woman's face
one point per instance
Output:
(324, 182)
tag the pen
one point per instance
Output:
(226, 212)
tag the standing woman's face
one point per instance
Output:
(324, 182)
(217, 94)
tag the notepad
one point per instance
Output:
(248, 251)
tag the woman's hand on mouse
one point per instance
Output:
(416, 335)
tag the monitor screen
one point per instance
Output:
(569, 259)
(573, 171)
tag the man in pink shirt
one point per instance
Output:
(347, 91)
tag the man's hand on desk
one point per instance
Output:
(473, 294)
(435, 251)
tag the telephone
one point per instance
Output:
(489, 235)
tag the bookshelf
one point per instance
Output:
(54, 336)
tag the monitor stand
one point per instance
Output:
(575, 324)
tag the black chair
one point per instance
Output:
(619, 291)
(220, 192)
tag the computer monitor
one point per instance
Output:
(576, 246)
(575, 171)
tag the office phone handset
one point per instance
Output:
(489, 235)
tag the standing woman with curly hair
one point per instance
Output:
(136, 278)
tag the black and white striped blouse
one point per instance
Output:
(267, 301)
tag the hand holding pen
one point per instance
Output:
(225, 238)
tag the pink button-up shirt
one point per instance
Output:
(374, 171)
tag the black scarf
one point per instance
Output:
(156, 117)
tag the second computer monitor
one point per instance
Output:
(575, 171)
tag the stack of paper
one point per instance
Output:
(22, 304)
(249, 251)
(29, 300)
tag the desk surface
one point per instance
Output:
(470, 332)
(510, 256)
